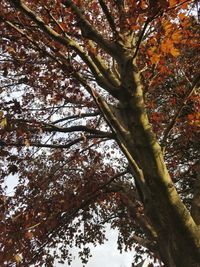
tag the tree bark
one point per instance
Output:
(178, 236)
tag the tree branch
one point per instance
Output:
(167, 131)
(67, 41)
(78, 128)
(68, 145)
(103, 68)
(145, 242)
(108, 16)
(67, 217)
(89, 32)
(141, 37)
(79, 116)
(48, 127)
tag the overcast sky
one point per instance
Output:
(106, 255)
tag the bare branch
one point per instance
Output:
(48, 127)
(79, 116)
(68, 145)
(141, 37)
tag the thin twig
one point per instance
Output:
(108, 16)
(176, 115)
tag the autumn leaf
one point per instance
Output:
(185, 21)
(18, 258)
(29, 235)
(143, 4)
(176, 36)
(168, 26)
(11, 50)
(154, 59)
(27, 143)
(184, 4)
(172, 3)
(166, 45)
(174, 51)
(3, 123)
(196, 123)
(190, 117)
(194, 119)
(151, 50)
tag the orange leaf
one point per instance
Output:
(166, 45)
(184, 5)
(135, 27)
(172, 3)
(174, 51)
(154, 59)
(167, 25)
(182, 16)
(176, 36)
(143, 4)
(151, 50)
(190, 117)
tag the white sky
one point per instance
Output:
(105, 255)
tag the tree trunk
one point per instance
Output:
(178, 237)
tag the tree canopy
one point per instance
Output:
(99, 124)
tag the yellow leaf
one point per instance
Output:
(18, 258)
(151, 50)
(167, 25)
(196, 123)
(1, 114)
(176, 36)
(3, 123)
(10, 50)
(26, 142)
(197, 119)
(174, 51)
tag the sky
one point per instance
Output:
(106, 255)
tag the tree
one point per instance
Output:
(100, 124)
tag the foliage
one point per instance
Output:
(65, 65)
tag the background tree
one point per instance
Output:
(100, 124)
